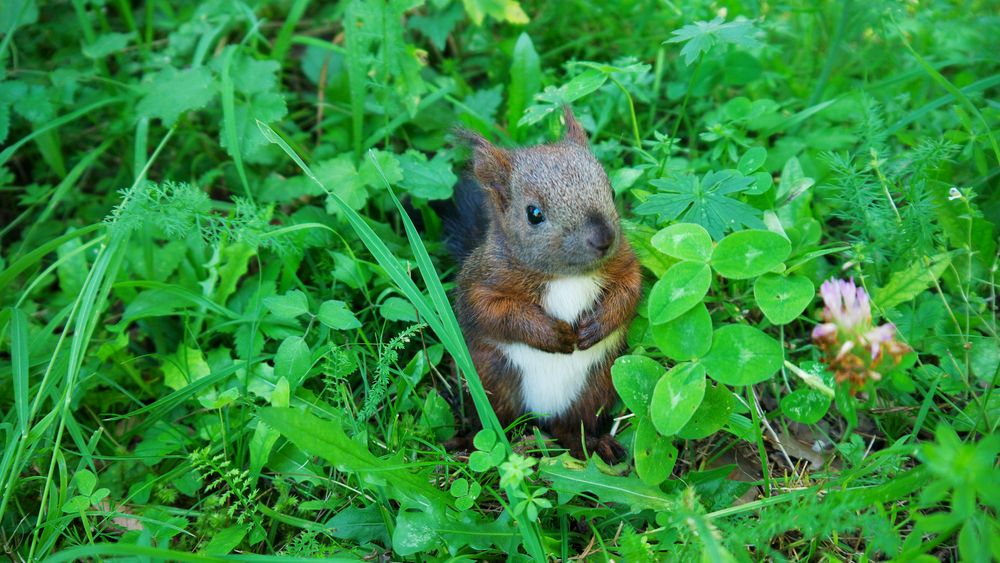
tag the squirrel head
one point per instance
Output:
(552, 204)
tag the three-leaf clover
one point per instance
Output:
(85, 483)
(490, 452)
(465, 492)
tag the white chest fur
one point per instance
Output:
(550, 383)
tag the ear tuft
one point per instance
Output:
(490, 164)
(574, 131)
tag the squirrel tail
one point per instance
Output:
(465, 219)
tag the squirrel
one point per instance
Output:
(547, 284)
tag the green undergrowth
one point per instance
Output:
(224, 321)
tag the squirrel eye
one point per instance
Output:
(535, 215)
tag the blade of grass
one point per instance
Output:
(19, 359)
(56, 123)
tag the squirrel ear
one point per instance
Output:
(574, 131)
(490, 164)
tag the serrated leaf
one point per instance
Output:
(742, 355)
(388, 164)
(266, 107)
(676, 397)
(684, 241)
(336, 315)
(703, 201)
(184, 367)
(635, 377)
(681, 288)
(747, 254)
(701, 36)
(628, 491)
(553, 99)
(686, 337)
(287, 306)
(783, 298)
(907, 284)
(326, 438)
(431, 179)
(174, 92)
(340, 176)
(654, 455)
(251, 76)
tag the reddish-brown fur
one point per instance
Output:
(499, 300)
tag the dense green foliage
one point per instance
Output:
(224, 324)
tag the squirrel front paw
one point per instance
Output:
(563, 338)
(607, 447)
(590, 331)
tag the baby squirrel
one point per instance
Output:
(547, 286)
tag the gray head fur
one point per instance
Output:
(580, 226)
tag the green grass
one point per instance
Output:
(225, 330)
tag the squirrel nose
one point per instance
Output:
(601, 238)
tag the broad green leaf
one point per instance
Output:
(437, 26)
(501, 10)
(752, 160)
(805, 405)
(342, 177)
(553, 99)
(634, 378)
(711, 416)
(676, 397)
(292, 361)
(654, 455)
(684, 241)
(398, 309)
(335, 315)
(326, 438)
(224, 541)
(184, 367)
(85, 482)
(705, 201)
(699, 37)
(907, 284)
(782, 299)
(388, 164)
(106, 44)
(288, 306)
(252, 76)
(428, 179)
(686, 337)
(525, 79)
(79, 503)
(628, 491)
(174, 92)
(793, 180)
(742, 355)
(681, 288)
(267, 107)
(747, 254)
